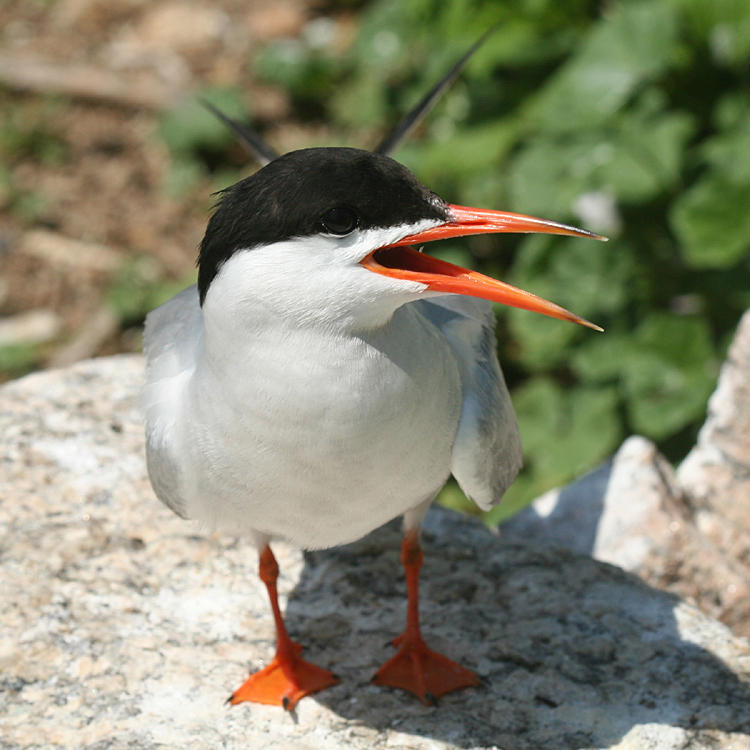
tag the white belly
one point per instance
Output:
(320, 439)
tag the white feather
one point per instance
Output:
(308, 400)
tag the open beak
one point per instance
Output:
(401, 261)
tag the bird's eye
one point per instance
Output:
(339, 221)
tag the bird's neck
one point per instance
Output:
(274, 292)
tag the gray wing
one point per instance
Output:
(171, 338)
(487, 452)
(171, 335)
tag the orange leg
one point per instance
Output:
(415, 667)
(288, 677)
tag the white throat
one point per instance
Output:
(310, 281)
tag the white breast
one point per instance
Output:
(312, 435)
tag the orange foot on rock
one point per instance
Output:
(284, 681)
(422, 671)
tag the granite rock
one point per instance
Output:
(124, 626)
(619, 513)
(716, 473)
(715, 478)
(688, 532)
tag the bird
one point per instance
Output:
(325, 375)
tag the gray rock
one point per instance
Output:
(620, 513)
(716, 473)
(123, 626)
(688, 533)
(715, 476)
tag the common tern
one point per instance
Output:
(325, 376)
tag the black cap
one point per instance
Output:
(290, 196)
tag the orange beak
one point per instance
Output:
(401, 261)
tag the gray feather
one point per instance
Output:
(487, 454)
(171, 339)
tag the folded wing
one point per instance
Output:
(171, 340)
(487, 452)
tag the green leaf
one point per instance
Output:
(190, 126)
(731, 110)
(668, 373)
(622, 52)
(463, 154)
(601, 359)
(729, 152)
(594, 426)
(564, 432)
(722, 25)
(590, 278)
(541, 343)
(637, 158)
(647, 154)
(712, 222)
(548, 175)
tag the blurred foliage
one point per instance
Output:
(631, 118)
(32, 131)
(29, 131)
(138, 287)
(19, 359)
(197, 139)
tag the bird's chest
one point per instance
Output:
(324, 437)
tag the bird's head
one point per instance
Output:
(328, 234)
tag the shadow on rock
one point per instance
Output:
(572, 653)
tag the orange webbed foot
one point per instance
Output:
(284, 681)
(423, 672)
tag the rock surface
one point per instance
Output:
(688, 533)
(716, 473)
(123, 626)
(715, 477)
(620, 513)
